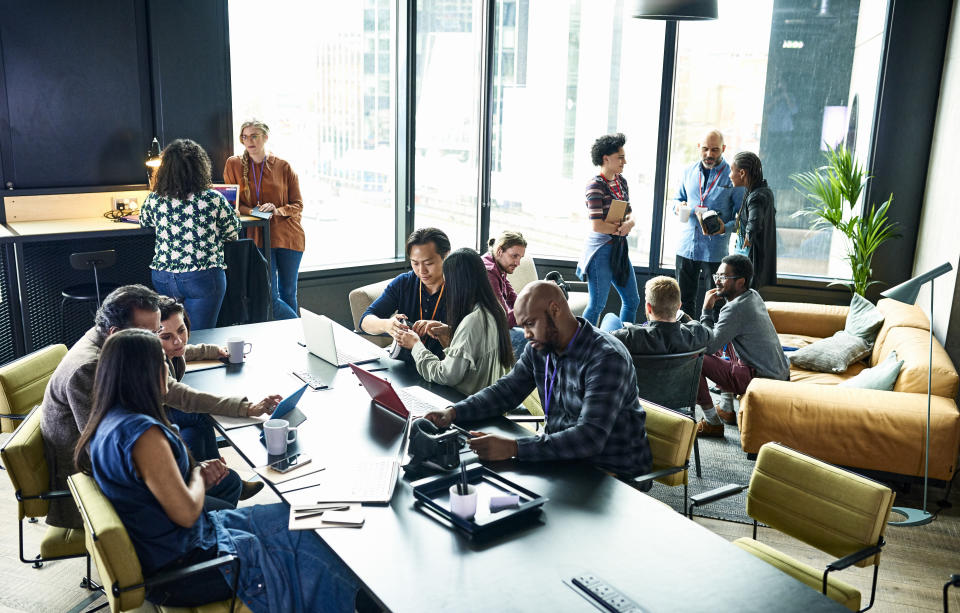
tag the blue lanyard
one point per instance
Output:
(550, 379)
(258, 180)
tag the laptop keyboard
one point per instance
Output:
(352, 348)
(313, 381)
(420, 406)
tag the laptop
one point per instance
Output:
(333, 343)
(407, 401)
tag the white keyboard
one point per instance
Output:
(352, 348)
(370, 480)
(420, 401)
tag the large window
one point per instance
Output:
(780, 78)
(322, 75)
(449, 44)
(565, 73)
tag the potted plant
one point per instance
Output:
(833, 191)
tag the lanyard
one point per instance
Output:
(616, 191)
(257, 180)
(700, 185)
(550, 379)
(436, 306)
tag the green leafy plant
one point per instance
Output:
(833, 191)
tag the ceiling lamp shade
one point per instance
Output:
(675, 10)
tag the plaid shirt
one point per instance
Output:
(594, 412)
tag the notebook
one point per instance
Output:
(333, 343)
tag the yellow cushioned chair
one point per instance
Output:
(23, 381)
(26, 465)
(109, 544)
(834, 510)
(671, 435)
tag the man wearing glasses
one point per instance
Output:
(743, 331)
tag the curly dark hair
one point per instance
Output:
(184, 170)
(606, 145)
(741, 265)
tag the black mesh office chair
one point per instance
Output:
(671, 380)
(87, 292)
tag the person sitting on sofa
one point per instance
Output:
(415, 297)
(744, 328)
(502, 259)
(588, 385)
(662, 333)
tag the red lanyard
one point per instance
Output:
(700, 185)
(548, 379)
(436, 306)
(258, 180)
(615, 189)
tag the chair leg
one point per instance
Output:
(87, 582)
(873, 589)
(696, 457)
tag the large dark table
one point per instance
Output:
(410, 561)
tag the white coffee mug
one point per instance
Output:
(683, 212)
(238, 349)
(463, 505)
(278, 435)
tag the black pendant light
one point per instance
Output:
(675, 10)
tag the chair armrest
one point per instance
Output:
(51, 495)
(186, 571)
(657, 474)
(719, 493)
(853, 558)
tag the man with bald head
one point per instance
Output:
(706, 186)
(586, 381)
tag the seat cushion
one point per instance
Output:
(62, 542)
(837, 590)
(26, 465)
(214, 607)
(798, 374)
(819, 320)
(797, 340)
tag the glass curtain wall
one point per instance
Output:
(565, 73)
(449, 48)
(783, 79)
(323, 77)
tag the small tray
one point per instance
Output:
(434, 493)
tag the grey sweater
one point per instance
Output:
(744, 321)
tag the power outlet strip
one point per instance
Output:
(120, 204)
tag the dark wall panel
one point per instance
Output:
(76, 109)
(190, 65)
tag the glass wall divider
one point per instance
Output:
(485, 148)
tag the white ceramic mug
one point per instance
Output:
(278, 434)
(683, 212)
(238, 349)
(463, 505)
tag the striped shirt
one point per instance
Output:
(594, 412)
(190, 233)
(600, 194)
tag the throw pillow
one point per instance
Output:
(863, 319)
(883, 376)
(832, 354)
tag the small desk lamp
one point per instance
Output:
(153, 160)
(907, 292)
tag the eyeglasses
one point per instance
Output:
(250, 137)
(724, 278)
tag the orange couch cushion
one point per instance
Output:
(896, 315)
(818, 320)
(913, 347)
(801, 375)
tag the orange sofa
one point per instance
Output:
(859, 428)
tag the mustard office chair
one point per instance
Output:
(671, 436)
(23, 381)
(109, 544)
(26, 465)
(836, 511)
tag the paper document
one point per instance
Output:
(618, 208)
(335, 515)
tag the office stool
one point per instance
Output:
(87, 292)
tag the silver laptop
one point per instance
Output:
(330, 341)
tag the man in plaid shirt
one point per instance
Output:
(586, 381)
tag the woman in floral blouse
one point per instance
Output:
(192, 222)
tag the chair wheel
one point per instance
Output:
(37, 563)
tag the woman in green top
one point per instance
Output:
(192, 222)
(476, 340)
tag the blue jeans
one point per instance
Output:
(200, 291)
(599, 278)
(280, 569)
(610, 322)
(196, 430)
(284, 268)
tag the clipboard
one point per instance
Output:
(618, 208)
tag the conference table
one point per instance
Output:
(409, 560)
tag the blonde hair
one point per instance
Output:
(663, 294)
(259, 125)
(506, 240)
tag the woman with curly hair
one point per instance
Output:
(268, 184)
(606, 257)
(192, 222)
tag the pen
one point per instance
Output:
(463, 431)
(377, 369)
(462, 487)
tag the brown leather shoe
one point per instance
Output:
(249, 489)
(708, 430)
(727, 417)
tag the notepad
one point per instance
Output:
(618, 208)
(317, 517)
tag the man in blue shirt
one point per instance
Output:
(415, 296)
(706, 187)
(586, 380)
